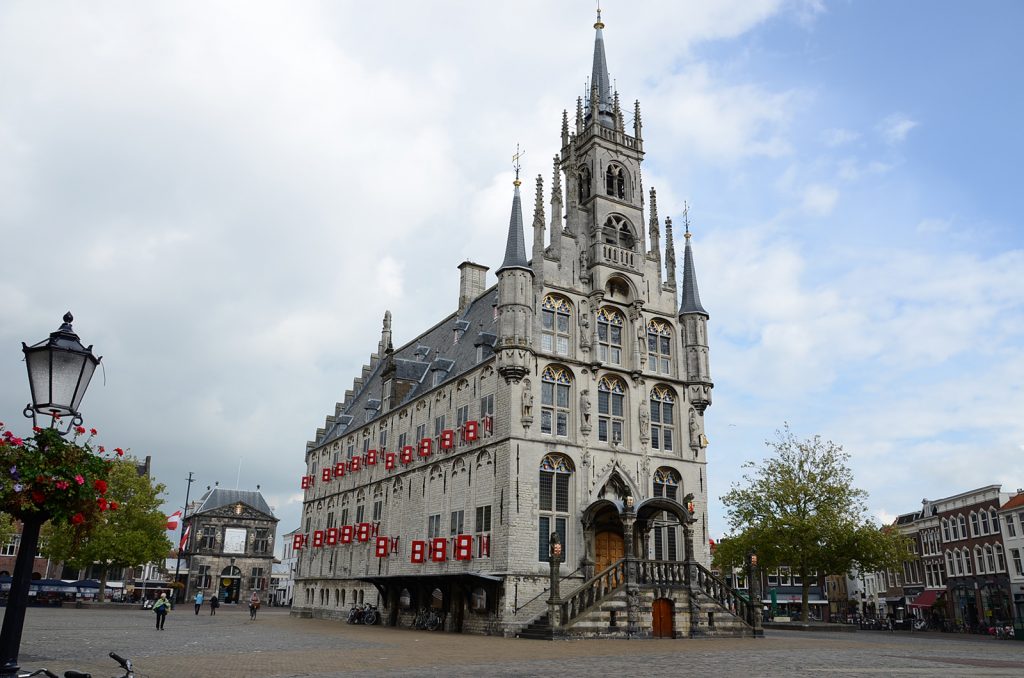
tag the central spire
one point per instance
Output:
(515, 245)
(599, 80)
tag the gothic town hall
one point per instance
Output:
(558, 415)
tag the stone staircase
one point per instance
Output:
(703, 604)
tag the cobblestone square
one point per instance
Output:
(276, 645)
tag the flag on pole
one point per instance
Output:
(184, 537)
(173, 520)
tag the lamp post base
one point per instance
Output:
(17, 601)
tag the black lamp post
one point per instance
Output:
(59, 371)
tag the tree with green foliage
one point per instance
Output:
(6, 528)
(799, 508)
(132, 535)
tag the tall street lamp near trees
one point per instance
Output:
(47, 476)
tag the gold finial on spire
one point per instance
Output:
(600, 24)
(686, 219)
(515, 165)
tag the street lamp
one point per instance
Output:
(59, 371)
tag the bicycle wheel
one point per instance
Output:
(433, 621)
(370, 618)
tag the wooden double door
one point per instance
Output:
(608, 547)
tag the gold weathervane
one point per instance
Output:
(515, 164)
(686, 219)
(600, 24)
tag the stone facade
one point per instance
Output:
(230, 550)
(569, 399)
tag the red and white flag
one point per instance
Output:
(174, 520)
(184, 537)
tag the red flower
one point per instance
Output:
(79, 430)
(112, 506)
(102, 449)
(36, 429)
(103, 503)
(92, 431)
(38, 497)
(119, 451)
(100, 485)
(78, 519)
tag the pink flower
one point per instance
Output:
(79, 479)
(62, 484)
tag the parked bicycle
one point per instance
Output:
(364, 614)
(427, 620)
(126, 664)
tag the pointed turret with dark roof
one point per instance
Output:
(515, 297)
(690, 302)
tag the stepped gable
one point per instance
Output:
(417, 361)
(219, 497)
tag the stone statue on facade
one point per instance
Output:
(585, 409)
(645, 421)
(694, 430)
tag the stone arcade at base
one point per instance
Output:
(568, 400)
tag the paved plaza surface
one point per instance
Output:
(275, 645)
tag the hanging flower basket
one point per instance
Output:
(50, 477)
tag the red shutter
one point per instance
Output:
(485, 545)
(439, 549)
(332, 536)
(382, 547)
(371, 458)
(426, 446)
(447, 439)
(471, 431)
(325, 475)
(346, 534)
(389, 461)
(363, 532)
(394, 544)
(407, 454)
(464, 547)
(305, 482)
(318, 538)
(419, 548)
(298, 541)
(488, 424)
(356, 463)
(339, 469)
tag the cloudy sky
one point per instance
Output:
(229, 195)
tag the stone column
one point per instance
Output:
(754, 580)
(632, 585)
(554, 599)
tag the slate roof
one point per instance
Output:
(218, 497)
(599, 78)
(515, 246)
(434, 351)
(691, 297)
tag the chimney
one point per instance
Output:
(472, 283)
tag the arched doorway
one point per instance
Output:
(662, 618)
(609, 546)
(230, 584)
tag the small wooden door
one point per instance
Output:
(662, 612)
(608, 547)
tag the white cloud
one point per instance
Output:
(819, 200)
(834, 138)
(895, 127)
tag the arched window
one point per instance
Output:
(1000, 558)
(360, 506)
(974, 524)
(995, 520)
(618, 232)
(945, 530)
(963, 526)
(659, 346)
(984, 522)
(611, 406)
(615, 181)
(609, 336)
(555, 313)
(554, 502)
(979, 560)
(990, 558)
(583, 182)
(666, 525)
(965, 556)
(662, 419)
(555, 385)
(950, 567)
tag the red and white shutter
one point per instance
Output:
(298, 541)
(363, 532)
(464, 547)
(389, 461)
(439, 549)
(318, 538)
(346, 534)
(382, 547)
(339, 469)
(426, 447)
(407, 454)
(371, 458)
(471, 431)
(419, 551)
(332, 536)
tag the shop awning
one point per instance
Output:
(928, 598)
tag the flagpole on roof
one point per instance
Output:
(177, 565)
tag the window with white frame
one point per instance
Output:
(555, 321)
(662, 418)
(611, 406)
(659, 346)
(1018, 563)
(1011, 529)
(984, 522)
(554, 503)
(555, 388)
(963, 526)
(975, 529)
(609, 336)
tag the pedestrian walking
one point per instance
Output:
(254, 605)
(199, 601)
(214, 604)
(161, 607)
